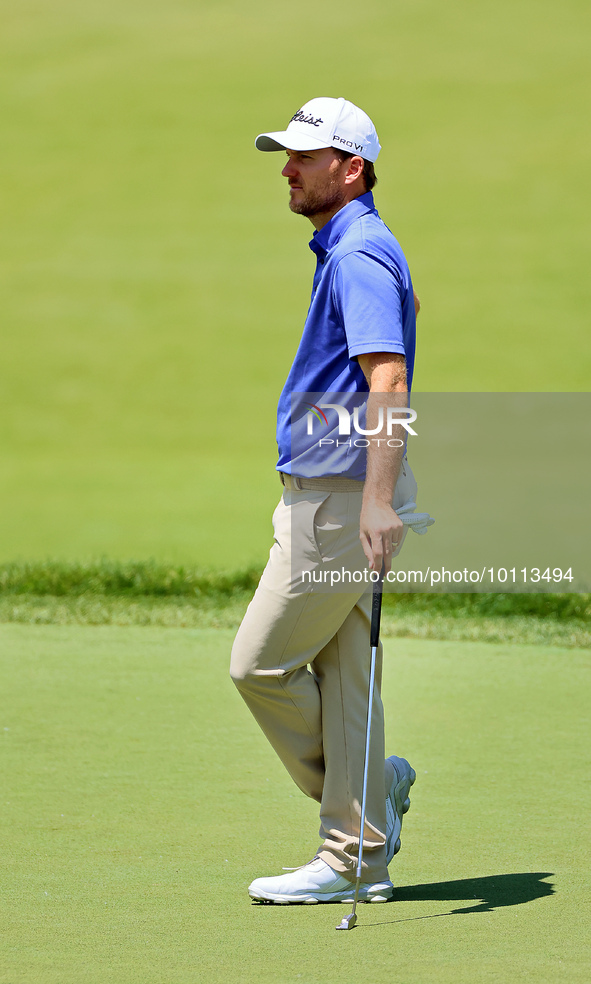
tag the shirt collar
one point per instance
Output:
(335, 228)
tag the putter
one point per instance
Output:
(348, 922)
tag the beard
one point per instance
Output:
(326, 199)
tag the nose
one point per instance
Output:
(289, 171)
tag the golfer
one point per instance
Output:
(301, 656)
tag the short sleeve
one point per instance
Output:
(367, 297)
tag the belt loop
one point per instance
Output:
(282, 477)
(297, 485)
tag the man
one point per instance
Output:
(300, 659)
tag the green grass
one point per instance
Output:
(154, 282)
(151, 593)
(127, 580)
(139, 799)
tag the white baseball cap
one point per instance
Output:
(326, 122)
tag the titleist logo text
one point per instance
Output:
(301, 118)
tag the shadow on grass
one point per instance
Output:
(493, 892)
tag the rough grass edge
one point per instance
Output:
(153, 579)
(95, 610)
(152, 593)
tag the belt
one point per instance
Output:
(332, 484)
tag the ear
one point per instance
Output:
(354, 170)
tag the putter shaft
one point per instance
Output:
(376, 608)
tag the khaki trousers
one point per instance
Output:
(301, 662)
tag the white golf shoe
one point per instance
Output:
(316, 882)
(397, 803)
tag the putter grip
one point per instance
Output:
(376, 611)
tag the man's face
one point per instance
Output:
(316, 181)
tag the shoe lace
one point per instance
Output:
(298, 866)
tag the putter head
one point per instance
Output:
(347, 922)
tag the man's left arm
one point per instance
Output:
(380, 529)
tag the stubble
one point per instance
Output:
(327, 199)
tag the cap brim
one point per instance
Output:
(288, 140)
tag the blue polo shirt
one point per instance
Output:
(362, 302)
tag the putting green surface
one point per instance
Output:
(139, 799)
